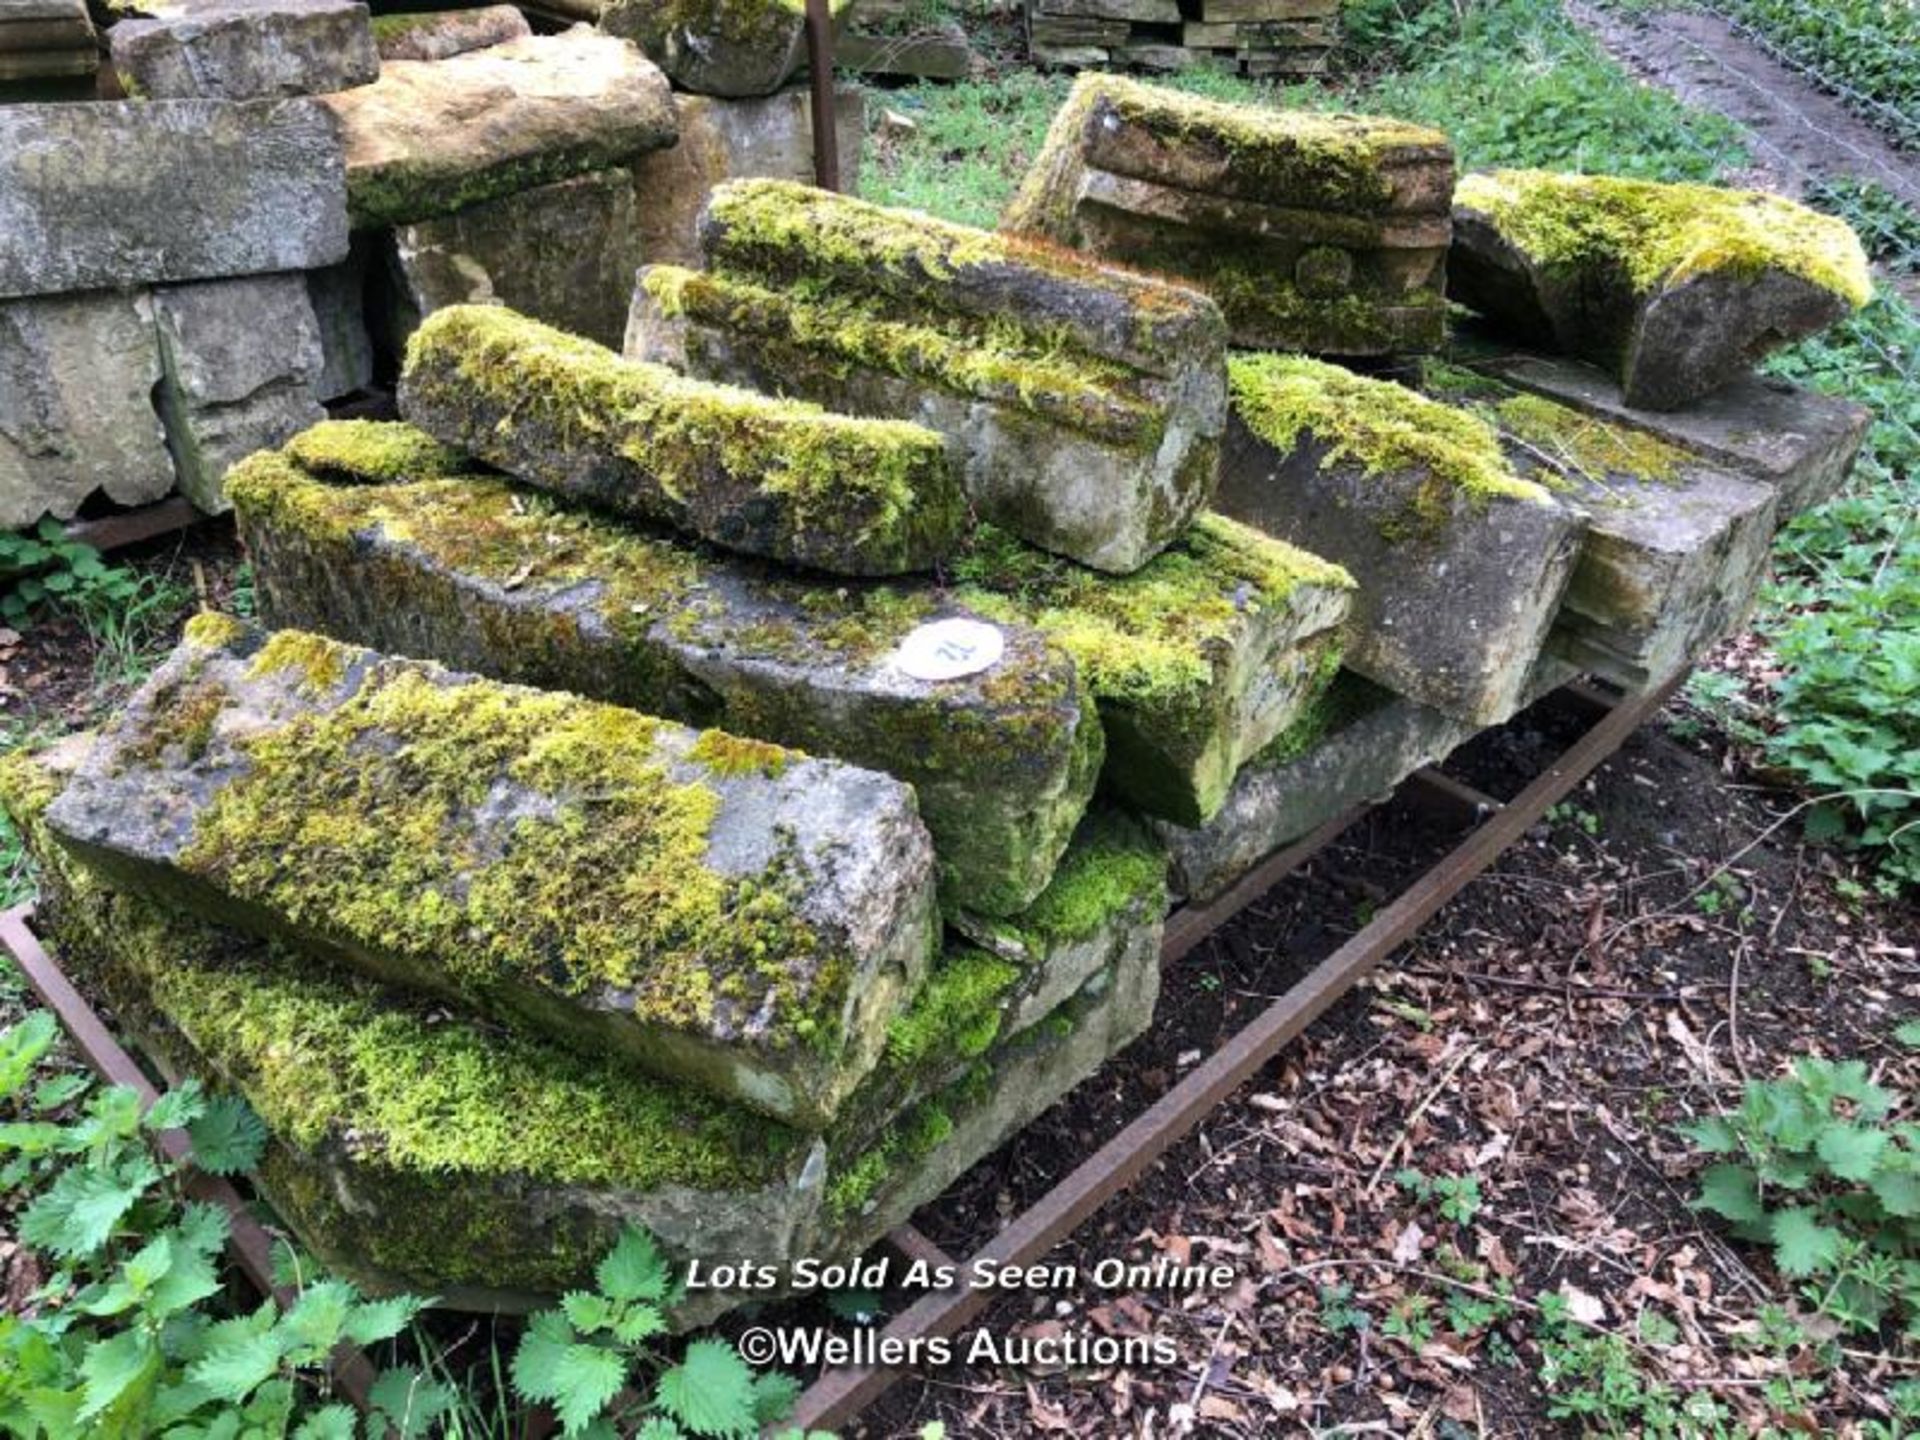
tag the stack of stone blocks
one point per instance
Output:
(733, 782)
(1239, 37)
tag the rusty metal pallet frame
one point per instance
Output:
(838, 1396)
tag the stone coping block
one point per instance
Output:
(1675, 289)
(1674, 549)
(1314, 231)
(77, 375)
(1352, 746)
(1463, 562)
(412, 1148)
(247, 50)
(1798, 441)
(429, 138)
(405, 552)
(266, 178)
(442, 34)
(730, 48)
(722, 911)
(1197, 659)
(782, 479)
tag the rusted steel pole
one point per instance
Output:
(826, 143)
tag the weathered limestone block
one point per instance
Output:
(717, 47)
(1197, 660)
(338, 296)
(409, 555)
(247, 50)
(429, 138)
(1674, 548)
(1082, 406)
(778, 478)
(242, 361)
(563, 253)
(1352, 746)
(91, 196)
(1800, 442)
(76, 413)
(1107, 900)
(1675, 289)
(769, 137)
(1325, 233)
(441, 34)
(1464, 562)
(722, 911)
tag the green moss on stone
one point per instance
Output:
(1659, 235)
(958, 1011)
(321, 663)
(1112, 868)
(210, 629)
(1346, 699)
(729, 756)
(1565, 438)
(373, 450)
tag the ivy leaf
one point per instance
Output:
(577, 1380)
(1801, 1244)
(634, 1269)
(229, 1138)
(117, 1368)
(334, 1422)
(78, 1212)
(375, 1320)
(1852, 1152)
(710, 1392)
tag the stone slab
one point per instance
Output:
(441, 34)
(430, 138)
(730, 48)
(247, 50)
(77, 374)
(1149, 12)
(1351, 747)
(781, 479)
(1799, 441)
(563, 253)
(1463, 562)
(406, 553)
(94, 196)
(725, 913)
(242, 361)
(942, 56)
(769, 137)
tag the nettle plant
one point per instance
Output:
(44, 565)
(1819, 1168)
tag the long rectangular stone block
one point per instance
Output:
(1463, 562)
(431, 137)
(1353, 745)
(1316, 232)
(411, 555)
(1083, 406)
(118, 193)
(1674, 547)
(722, 911)
(414, 1149)
(77, 374)
(1197, 659)
(1798, 441)
(247, 50)
(778, 478)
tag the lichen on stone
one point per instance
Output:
(1660, 235)
(1380, 427)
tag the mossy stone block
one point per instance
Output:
(405, 552)
(717, 47)
(718, 910)
(1462, 562)
(1675, 289)
(777, 478)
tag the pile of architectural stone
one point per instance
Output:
(295, 185)
(1245, 37)
(733, 784)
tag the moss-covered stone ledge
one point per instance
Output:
(1677, 289)
(1197, 660)
(1674, 547)
(777, 478)
(485, 576)
(1462, 561)
(1318, 232)
(720, 910)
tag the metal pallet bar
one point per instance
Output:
(838, 1396)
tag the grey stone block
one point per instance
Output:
(247, 50)
(441, 34)
(731, 48)
(338, 295)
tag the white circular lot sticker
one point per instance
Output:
(949, 649)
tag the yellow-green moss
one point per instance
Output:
(912, 1137)
(1658, 235)
(321, 663)
(1567, 439)
(883, 486)
(729, 756)
(1381, 427)
(1347, 698)
(1112, 868)
(210, 629)
(958, 1010)
(603, 882)
(373, 450)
